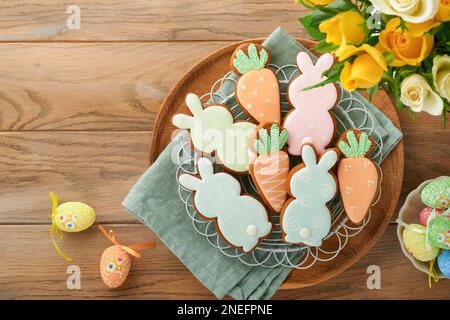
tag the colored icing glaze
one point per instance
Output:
(358, 184)
(271, 172)
(257, 89)
(306, 217)
(358, 176)
(271, 168)
(241, 219)
(212, 129)
(310, 116)
(258, 93)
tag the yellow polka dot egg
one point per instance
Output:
(74, 216)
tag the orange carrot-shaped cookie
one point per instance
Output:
(270, 169)
(357, 175)
(257, 89)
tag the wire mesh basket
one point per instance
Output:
(273, 251)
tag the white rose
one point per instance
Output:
(414, 11)
(441, 75)
(417, 94)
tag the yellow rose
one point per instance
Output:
(367, 69)
(345, 25)
(416, 93)
(409, 46)
(441, 75)
(316, 2)
(443, 13)
(415, 11)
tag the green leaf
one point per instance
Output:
(313, 30)
(324, 47)
(372, 91)
(331, 79)
(389, 56)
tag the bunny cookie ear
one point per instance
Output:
(305, 63)
(182, 121)
(328, 159)
(190, 182)
(308, 155)
(194, 104)
(324, 63)
(205, 167)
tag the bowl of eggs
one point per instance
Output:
(424, 226)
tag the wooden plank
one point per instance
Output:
(98, 168)
(101, 167)
(399, 278)
(122, 20)
(34, 270)
(90, 86)
(427, 151)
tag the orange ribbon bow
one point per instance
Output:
(129, 249)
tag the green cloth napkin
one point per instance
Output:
(154, 200)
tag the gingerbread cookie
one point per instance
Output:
(241, 220)
(257, 88)
(357, 175)
(213, 130)
(270, 169)
(310, 117)
(305, 218)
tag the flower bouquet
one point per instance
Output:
(401, 46)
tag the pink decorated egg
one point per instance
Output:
(425, 213)
(115, 265)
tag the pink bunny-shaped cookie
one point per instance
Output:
(310, 117)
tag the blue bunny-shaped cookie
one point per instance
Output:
(305, 217)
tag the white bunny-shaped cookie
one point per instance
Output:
(242, 220)
(310, 116)
(212, 129)
(305, 217)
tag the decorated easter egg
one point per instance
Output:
(115, 265)
(415, 242)
(439, 232)
(444, 262)
(436, 194)
(425, 214)
(74, 216)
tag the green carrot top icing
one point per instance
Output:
(244, 63)
(273, 142)
(356, 147)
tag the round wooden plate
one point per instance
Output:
(199, 80)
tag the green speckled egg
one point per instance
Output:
(436, 194)
(439, 233)
(74, 216)
(415, 243)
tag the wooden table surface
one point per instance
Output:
(76, 112)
